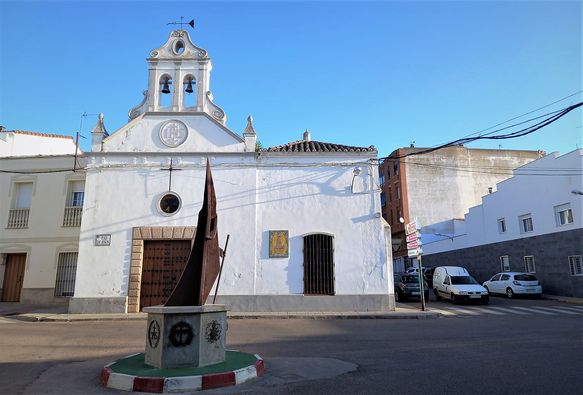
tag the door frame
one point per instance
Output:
(139, 234)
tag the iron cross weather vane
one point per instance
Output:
(191, 23)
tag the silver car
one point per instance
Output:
(514, 283)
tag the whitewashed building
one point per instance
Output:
(532, 223)
(304, 218)
(41, 203)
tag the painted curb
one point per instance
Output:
(125, 382)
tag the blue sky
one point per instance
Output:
(380, 73)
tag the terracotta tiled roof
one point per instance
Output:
(59, 136)
(317, 146)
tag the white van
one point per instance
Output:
(456, 284)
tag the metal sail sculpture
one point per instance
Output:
(202, 268)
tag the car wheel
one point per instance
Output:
(437, 297)
(509, 293)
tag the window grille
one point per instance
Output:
(66, 271)
(575, 265)
(318, 265)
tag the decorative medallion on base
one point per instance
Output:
(186, 336)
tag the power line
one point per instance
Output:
(38, 171)
(526, 113)
(488, 136)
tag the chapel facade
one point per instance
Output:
(303, 218)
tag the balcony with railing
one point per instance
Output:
(72, 217)
(18, 218)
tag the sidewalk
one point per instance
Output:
(564, 299)
(59, 314)
(35, 313)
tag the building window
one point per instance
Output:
(563, 214)
(398, 191)
(76, 193)
(18, 214)
(74, 206)
(390, 192)
(505, 263)
(396, 168)
(318, 264)
(529, 264)
(575, 265)
(381, 177)
(388, 173)
(169, 203)
(66, 271)
(502, 225)
(383, 199)
(525, 222)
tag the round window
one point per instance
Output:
(169, 203)
(179, 47)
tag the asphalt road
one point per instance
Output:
(527, 347)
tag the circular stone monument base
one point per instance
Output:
(132, 374)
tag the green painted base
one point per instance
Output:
(135, 366)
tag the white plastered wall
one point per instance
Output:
(254, 195)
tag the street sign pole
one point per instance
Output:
(414, 250)
(421, 283)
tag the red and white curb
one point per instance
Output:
(126, 382)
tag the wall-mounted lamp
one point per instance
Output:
(402, 220)
(355, 172)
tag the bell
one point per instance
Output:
(189, 87)
(165, 87)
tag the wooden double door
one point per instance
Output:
(13, 277)
(162, 265)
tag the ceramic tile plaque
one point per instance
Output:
(278, 243)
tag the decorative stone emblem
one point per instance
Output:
(173, 133)
(181, 334)
(213, 331)
(153, 333)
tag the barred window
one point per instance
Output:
(318, 265)
(66, 271)
(575, 265)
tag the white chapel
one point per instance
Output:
(303, 218)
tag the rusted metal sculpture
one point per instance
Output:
(202, 268)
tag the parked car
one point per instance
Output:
(407, 286)
(514, 283)
(456, 284)
(412, 270)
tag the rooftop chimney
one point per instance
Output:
(307, 135)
